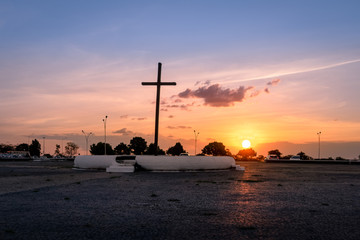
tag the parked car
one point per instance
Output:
(296, 157)
(272, 157)
(184, 154)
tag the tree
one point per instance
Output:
(228, 153)
(215, 149)
(57, 150)
(151, 150)
(246, 154)
(71, 148)
(4, 148)
(34, 148)
(99, 149)
(122, 149)
(176, 149)
(22, 147)
(138, 145)
(303, 156)
(275, 152)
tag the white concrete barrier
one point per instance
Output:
(184, 163)
(125, 163)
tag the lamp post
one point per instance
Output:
(319, 133)
(104, 120)
(44, 145)
(87, 140)
(196, 135)
(62, 145)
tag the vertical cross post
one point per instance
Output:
(158, 84)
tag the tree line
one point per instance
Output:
(138, 146)
(250, 154)
(34, 149)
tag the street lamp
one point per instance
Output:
(319, 133)
(87, 140)
(196, 135)
(104, 120)
(62, 145)
(44, 145)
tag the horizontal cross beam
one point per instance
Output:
(156, 83)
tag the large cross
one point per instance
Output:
(158, 85)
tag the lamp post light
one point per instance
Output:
(196, 135)
(319, 133)
(104, 120)
(87, 140)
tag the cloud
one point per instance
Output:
(171, 116)
(124, 116)
(179, 127)
(255, 93)
(206, 83)
(123, 132)
(273, 82)
(216, 96)
(180, 106)
(139, 118)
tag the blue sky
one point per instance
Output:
(85, 59)
(183, 28)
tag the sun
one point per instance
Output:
(246, 144)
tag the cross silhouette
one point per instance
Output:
(158, 85)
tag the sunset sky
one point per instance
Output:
(272, 72)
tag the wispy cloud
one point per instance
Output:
(123, 132)
(285, 73)
(179, 106)
(139, 118)
(178, 127)
(273, 82)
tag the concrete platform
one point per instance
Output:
(267, 201)
(120, 168)
(156, 163)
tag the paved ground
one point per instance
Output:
(267, 201)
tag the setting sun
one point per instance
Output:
(246, 144)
